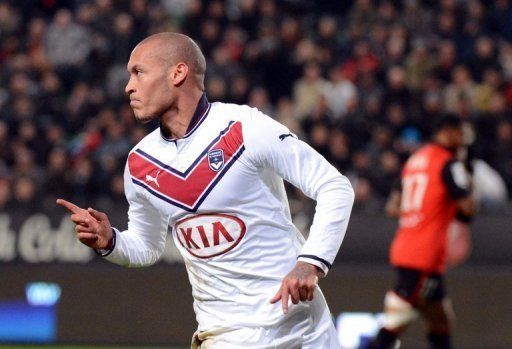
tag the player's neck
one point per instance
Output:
(176, 121)
(444, 145)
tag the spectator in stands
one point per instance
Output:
(396, 89)
(363, 93)
(67, 43)
(446, 60)
(4, 146)
(418, 65)
(10, 20)
(462, 88)
(501, 159)
(25, 200)
(483, 58)
(339, 92)
(5, 194)
(308, 90)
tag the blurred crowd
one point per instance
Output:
(359, 80)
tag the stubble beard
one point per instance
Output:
(142, 118)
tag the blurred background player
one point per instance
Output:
(435, 188)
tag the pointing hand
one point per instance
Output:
(92, 227)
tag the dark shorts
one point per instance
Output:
(416, 285)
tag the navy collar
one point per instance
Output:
(202, 110)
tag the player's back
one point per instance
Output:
(426, 210)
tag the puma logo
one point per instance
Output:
(150, 178)
(283, 136)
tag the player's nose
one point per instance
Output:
(129, 88)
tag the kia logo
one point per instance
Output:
(209, 235)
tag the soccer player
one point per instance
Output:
(213, 173)
(435, 189)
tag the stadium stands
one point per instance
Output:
(360, 81)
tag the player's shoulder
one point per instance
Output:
(427, 157)
(440, 151)
(440, 156)
(259, 130)
(238, 112)
(148, 141)
(252, 119)
(436, 153)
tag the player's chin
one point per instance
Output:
(143, 118)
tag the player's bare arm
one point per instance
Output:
(92, 228)
(299, 285)
(467, 206)
(393, 204)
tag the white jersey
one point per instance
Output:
(221, 191)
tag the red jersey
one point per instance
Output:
(431, 182)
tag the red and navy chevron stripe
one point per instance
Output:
(190, 188)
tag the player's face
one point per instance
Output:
(456, 137)
(148, 88)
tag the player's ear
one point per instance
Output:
(179, 73)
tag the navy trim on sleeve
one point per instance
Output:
(323, 261)
(455, 191)
(105, 253)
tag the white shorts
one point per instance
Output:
(311, 329)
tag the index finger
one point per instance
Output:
(70, 206)
(277, 296)
(284, 299)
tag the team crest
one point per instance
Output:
(216, 159)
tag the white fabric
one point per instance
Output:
(233, 288)
(488, 185)
(304, 329)
(460, 175)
